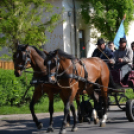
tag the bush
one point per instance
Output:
(12, 88)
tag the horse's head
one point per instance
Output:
(52, 64)
(21, 59)
(57, 61)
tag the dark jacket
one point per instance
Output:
(107, 51)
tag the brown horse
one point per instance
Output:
(31, 55)
(73, 75)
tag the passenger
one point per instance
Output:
(123, 59)
(104, 53)
(132, 46)
(111, 46)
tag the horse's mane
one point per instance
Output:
(64, 54)
(42, 54)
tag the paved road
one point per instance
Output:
(22, 124)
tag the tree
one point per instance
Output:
(106, 15)
(21, 21)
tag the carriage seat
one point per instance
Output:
(116, 74)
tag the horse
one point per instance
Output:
(73, 75)
(25, 55)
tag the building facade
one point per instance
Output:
(73, 35)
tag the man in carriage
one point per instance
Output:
(104, 53)
(123, 59)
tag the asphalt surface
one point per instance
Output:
(117, 123)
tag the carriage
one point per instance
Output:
(117, 97)
(59, 68)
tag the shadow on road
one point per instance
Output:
(26, 126)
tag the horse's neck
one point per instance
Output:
(37, 62)
(66, 64)
(71, 66)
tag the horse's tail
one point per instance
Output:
(112, 84)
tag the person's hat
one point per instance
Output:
(100, 41)
(123, 40)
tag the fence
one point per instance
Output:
(8, 65)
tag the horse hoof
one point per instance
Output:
(96, 121)
(40, 125)
(63, 131)
(50, 129)
(102, 124)
(67, 124)
(74, 129)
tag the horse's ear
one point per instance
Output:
(45, 52)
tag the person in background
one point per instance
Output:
(103, 52)
(132, 46)
(111, 46)
(123, 58)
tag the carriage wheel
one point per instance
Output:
(130, 110)
(119, 99)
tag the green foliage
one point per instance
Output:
(5, 57)
(26, 21)
(12, 88)
(106, 15)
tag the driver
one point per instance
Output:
(104, 53)
(123, 58)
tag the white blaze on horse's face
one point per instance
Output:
(50, 63)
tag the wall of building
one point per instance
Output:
(68, 28)
(55, 39)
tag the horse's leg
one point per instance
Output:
(68, 99)
(74, 117)
(77, 98)
(51, 110)
(94, 112)
(37, 94)
(90, 91)
(68, 120)
(66, 112)
(105, 100)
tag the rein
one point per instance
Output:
(103, 53)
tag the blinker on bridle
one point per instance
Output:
(25, 57)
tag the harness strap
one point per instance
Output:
(78, 78)
(74, 69)
(86, 73)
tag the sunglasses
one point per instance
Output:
(132, 46)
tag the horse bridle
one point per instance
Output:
(56, 59)
(25, 57)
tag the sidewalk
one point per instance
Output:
(40, 115)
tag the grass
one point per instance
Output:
(129, 93)
(39, 108)
(43, 106)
